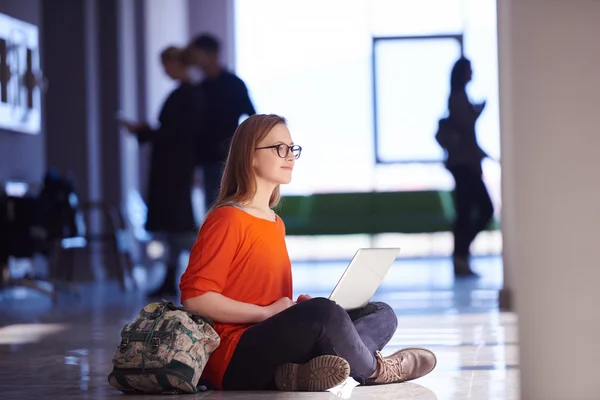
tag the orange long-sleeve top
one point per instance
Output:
(244, 258)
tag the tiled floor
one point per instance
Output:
(64, 352)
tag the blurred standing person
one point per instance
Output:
(227, 100)
(170, 215)
(473, 205)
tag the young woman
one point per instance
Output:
(240, 275)
(474, 208)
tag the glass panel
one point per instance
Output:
(412, 85)
(416, 17)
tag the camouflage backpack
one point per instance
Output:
(163, 351)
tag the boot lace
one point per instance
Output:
(391, 370)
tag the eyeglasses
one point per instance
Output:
(283, 150)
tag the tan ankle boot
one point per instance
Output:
(319, 374)
(403, 365)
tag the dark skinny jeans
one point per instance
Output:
(306, 330)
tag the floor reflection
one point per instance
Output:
(65, 352)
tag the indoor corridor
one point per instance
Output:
(64, 352)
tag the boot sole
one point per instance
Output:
(317, 375)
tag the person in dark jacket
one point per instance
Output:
(227, 100)
(170, 213)
(473, 205)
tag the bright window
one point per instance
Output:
(312, 62)
(410, 89)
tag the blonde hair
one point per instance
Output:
(238, 184)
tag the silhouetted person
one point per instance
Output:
(473, 206)
(170, 214)
(226, 101)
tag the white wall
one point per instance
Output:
(549, 60)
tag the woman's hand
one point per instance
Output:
(303, 297)
(280, 305)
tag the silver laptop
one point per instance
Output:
(362, 277)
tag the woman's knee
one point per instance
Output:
(324, 311)
(387, 317)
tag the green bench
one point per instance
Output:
(369, 213)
